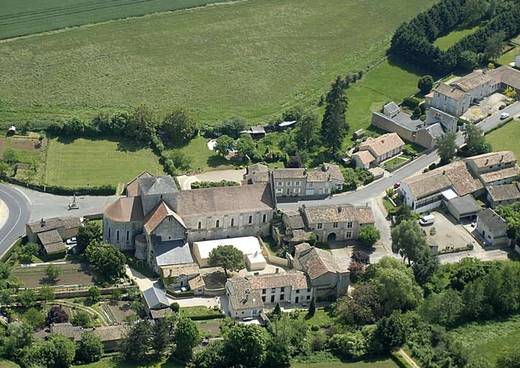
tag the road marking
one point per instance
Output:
(16, 222)
(22, 193)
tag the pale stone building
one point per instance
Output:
(376, 150)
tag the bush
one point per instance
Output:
(410, 102)
(369, 235)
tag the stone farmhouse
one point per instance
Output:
(427, 191)
(159, 223)
(502, 195)
(374, 151)
(329, 223)
(248, 296)
(52, 233)
(326, 277)
(298, 182)
(492, 228)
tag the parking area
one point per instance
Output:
(487, 107)
(447, 235)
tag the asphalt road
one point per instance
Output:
(19, 213)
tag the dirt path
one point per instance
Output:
(408, 359)
(103, 319)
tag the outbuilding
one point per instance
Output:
(463, 208)
(248, 245)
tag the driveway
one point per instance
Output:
(235, 175)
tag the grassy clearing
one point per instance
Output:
(8, 364)
(395, 163)
(321, 318)
(506, 137)
(378, 87)
(252, 58)
(23, 17)
(85, 162)
(509, 56)
(209, 328)
(200, 157)
(72, 274)
(199, 312)
(452, 38)
(490, 340)
(114, 363)
(384, 363)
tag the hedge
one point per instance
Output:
(59, 190)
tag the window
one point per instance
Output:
(335, 224)
(217, 224)
(349, 225)
(109, 233)
(264, 291)
(308, 297)
(232, 222)
(297, 291)
(117, 235)
(264, 218)
(349, 234)
(127, 236)
(273, 290)
(200, 225)
(320, 225)
(263, 299)
(289, 183)
(250, 219)
(282, 289)
(272, 298)
(297, 183)
(282, 296)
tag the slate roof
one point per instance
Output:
(157, 185)
(172, 253)
(382, 144)
(492, 220)
(157, 216)
(221, 200)
(125, 209)
(338, 213)
(506, 192)
(155, 298)
(316, 262)
(455, 175)
(465, 205)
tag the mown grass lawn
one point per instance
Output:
(383, 363)
(452, 38)
(505, 138)
(86, 162)
(490, 340)
(251, 58)
(27, 17)
(384, 83)
(114, 363)
(509, 56)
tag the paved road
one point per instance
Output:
(494, 120)
(19, 212)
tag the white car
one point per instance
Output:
(427, 220)
(71, 241)
(504, 116)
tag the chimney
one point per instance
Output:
(339, 209)
(501, 158)
(42, 222)
(487, 161)
(443, 172)
(276, 270)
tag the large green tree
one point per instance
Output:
(179, 126)
(186, 336)
(369, 235)
(245, 346)
(224, 144)
(107, 261)
(87, 234)
(475, 140)
(307, 131)
(334, 125)
(136, 345)
(89, 348)
(228, 257)
(408, 240)
(141, 124)
(446, 147)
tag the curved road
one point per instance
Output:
(19, 212)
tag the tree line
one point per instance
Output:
(498, 21)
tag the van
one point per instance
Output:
(427, 220)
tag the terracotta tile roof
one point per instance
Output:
(316, 262)
(293, 219)
(382, 144)
(55, 223)
(506, 192)
(241, 296)
(339, 213)
(180, 269)
(125, 209)
(364, 156)
(473, 80)
(455, 175)
(506, 75)
(246, 198)
(317, 176)
(295, 279)
(157, 216)
(289, 173)
(507, 173)
(334, 171)
(450, 91)
(196, 283)
(492, 158)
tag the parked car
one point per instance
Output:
(71, 241)
(397, 185)
(504, 116)
(427, 220)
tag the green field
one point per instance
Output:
(27, 17)
(252, 58)
(387, 363)
(452, 38)
(85, 162)
(384, 83)
(506, 138)
(490, 340)
(509, 56)
(113, 363)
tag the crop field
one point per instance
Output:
(27, 17)
(72, 274)
(452, 38)
(505, 138)
(85, 162)
(251, 58)
(490, 340)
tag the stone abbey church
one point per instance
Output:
(158, 222)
